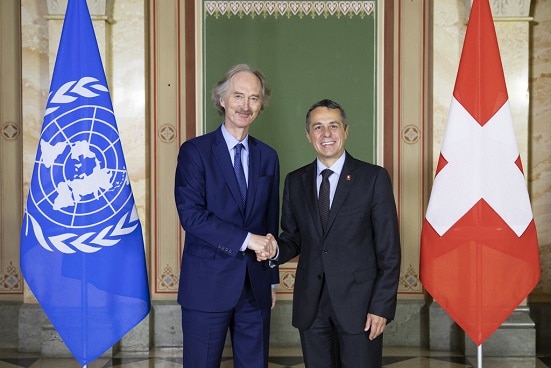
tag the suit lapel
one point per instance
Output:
(254, 173)
(309, 184)
(223, 160)
(346, 179)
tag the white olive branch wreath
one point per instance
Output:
(68, 242)
(72, 90)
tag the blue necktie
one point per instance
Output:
(239, 173)
(323, 198)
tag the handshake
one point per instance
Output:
(265, 247)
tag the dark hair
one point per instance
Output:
(221, 88)
(330, 105)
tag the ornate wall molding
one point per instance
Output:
(10, 131)
(11, 186)
(168, 111)
(410, 136)
(167, 133)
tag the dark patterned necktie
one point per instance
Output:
(239, 173)
(324, 198)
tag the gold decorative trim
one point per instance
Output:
(411, 134)
(289, 8)
(168, 279)
(11, 280)
(287, 280)
(10, 131)
(410, 280)
(167, 133)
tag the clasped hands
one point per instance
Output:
(265, 247)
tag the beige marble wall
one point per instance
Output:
(539, 178)
(35, 82)
(126, 66)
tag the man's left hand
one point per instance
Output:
(375, 325)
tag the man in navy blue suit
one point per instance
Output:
(227, 197)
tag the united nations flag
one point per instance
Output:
(82, 249)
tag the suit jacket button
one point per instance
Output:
(319, 277)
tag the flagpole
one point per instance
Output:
(84, 306)
(479, 356)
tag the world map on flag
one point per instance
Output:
(81, 175)
(89, 178)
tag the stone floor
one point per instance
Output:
(279, 358)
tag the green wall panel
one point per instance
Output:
(305, 59)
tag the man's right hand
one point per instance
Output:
(264, 246)
(273, 247)
(261, 245)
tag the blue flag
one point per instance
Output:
(82, 249)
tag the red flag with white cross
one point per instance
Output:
(479, 247)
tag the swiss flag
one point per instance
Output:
(479, 247)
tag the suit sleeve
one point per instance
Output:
(273, 218)
(387, 247)
(289, 240)
(191, 203)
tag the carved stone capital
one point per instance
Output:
(97, 8)
(506, 8)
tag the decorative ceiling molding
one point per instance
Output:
(289, 8)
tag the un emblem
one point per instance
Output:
(80, 183)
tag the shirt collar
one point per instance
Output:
(231, 141)
(336, 167)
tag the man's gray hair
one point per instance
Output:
(221, 88)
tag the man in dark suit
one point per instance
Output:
(348, 270)
(227, 197)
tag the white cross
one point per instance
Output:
(481, 165)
